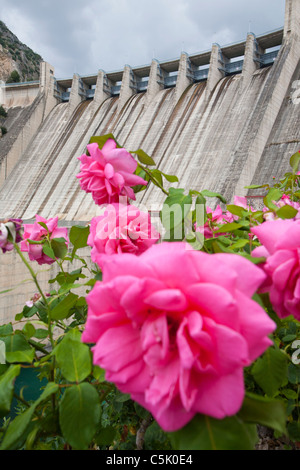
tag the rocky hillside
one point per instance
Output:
(14, 55)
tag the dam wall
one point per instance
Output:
(220, 120)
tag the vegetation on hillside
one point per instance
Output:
(26, 60)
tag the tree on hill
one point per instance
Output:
(14, 77)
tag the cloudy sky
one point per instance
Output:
(84, 36)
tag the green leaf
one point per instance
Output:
(205, 433)
(294, 161)
(294, 374)
(273, 195)
(101, 140)
(6, 330)
(270, 371)
(42, 224)
(294, 431)
(241, 243)
(106, 436)
(207, 193)
(236, 210)
(7, 389)
(122, 397)
(231, 227)
(79, 415)
(264, 411)
(157, 174)
(59, 247)
(48, 251)
(257, 186)
(73, 357)
(287, 212)
(171, 178)
(143, 157)
(78, 237)
(18, 349)
(62, 309)
(18, 427)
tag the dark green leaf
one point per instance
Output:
(73, 357)
(106, 436)
(270, 371)
(287, 212)
(257, 186)
(101, 140)
(231, 227)
(205, 433)
(7, 389)
(207, 193)
(48, 251)
(59, 247)
(294, 374)
(78, 237)
(170, 178)
(264, 411)
(236, 210)
(273, 195)
(62, 309)
(143, 157)
(294, 161)
(6, 329)
(294, 431)
(17, 428)
(42, 224)
(18, 349)
(79, 415)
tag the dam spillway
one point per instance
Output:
(187, 138)
(215, 121)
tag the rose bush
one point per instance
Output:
(174, 328)
(171, 345)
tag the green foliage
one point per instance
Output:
(3, 130)
(3, 113)
(14, 77)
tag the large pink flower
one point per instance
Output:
(280, 241)
(108, 173)
(174, 328)
(38, 233)
(121, 229)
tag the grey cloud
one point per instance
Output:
(85, 35)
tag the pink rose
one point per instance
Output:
(280, 241)
(5, 244)
(174, 328)
(213, 223)
(108, 173)
(10, 230)
(38, 233)
(121, 229)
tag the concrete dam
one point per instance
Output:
(219, 120)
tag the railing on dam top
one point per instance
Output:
(16, 84)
